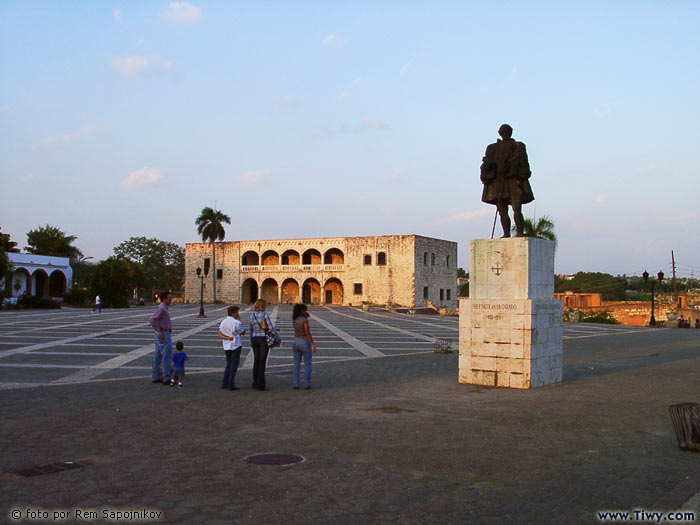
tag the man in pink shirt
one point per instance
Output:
(163, 326)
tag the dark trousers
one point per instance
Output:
(233, 358)
(260, 351)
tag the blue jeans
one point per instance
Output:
(161, 356)
(233, 358)
(260, 351)
(301, 347)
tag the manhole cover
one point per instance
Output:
(274, 459)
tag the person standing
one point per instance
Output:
(231, 330)
(303, 345)
(163, 326)
(98, 305)
(260, 324)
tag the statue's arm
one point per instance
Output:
(523, 163)
(488, 166)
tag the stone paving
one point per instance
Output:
(387, 433)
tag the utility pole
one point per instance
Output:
(673, 264)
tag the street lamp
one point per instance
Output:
(659, 276)
(201, 294)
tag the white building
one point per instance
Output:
(40, 275)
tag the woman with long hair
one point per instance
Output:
(260, 323)
(303, 345)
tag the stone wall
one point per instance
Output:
(638, 313)
(326, 270)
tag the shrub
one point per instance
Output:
(78, 297)
(599, 317)
(31, 301)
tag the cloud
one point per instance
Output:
(465, 216)
(182, 12)
(131, 66)
(27, 179)
(348, 91)
(398, 175)
(323, 131)
(142, 66)
(253, 177)
(142, 177)
(601, 197)
(61, 139)
(404, 68)
(333, 40)
(117, 15)
(287, 101)
(372, 122)
(512, 74)
(603, 111)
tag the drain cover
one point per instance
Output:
(274, 459)
(49, 469)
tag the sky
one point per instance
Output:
(307, 119)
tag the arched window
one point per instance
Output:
(381, 259)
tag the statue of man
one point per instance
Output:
(505, 172)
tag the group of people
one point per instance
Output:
(262, 337)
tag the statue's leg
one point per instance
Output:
(502, 207)
(518, 217)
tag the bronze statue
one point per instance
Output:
(505, 172)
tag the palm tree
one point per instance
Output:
(210, 227)
(543, 228)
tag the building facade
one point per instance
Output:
(39, 275)
(401, 270)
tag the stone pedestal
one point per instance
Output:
(510, 327)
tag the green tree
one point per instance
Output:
(114, 279)
(6, 246)
(210, 225)
(163, 262)
(49, 240)
(542, 228)
(611, 288)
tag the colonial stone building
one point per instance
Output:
(402, 270)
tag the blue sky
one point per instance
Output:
(314, 119)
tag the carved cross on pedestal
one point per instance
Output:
(497, 268)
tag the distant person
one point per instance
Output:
(163, 326)
(98, 305)
(697, 324)
(680, 320)
(179, 359)
(231, 330)
(260, 324)
(303, 345)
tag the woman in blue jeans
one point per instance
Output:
(303, 345)
(260, 323)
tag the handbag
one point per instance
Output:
(272, 338)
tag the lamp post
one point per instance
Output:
(659, 276)
(201, 294)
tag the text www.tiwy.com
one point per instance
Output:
(646, 516)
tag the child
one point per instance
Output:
(179, 359)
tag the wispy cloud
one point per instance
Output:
(603, 111)
(602, 197)
(398, 175)
(366, 123)
(512, 74)
(348, 90)
(182, 12)
(142, 66)
(286, 101)
(27, 179)
(404, 69)
(373, 122)
(117, 15)
(253, 177)
(143, 177)
(61, 139)
(465, 216)
(333, 40)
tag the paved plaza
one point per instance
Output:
(387, 433)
